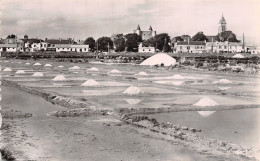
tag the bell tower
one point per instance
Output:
(222, 24)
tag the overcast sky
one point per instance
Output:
(80, 19)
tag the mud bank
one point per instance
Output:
(55, 99)
(190, 137)
(179, 108)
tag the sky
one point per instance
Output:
(80, 19)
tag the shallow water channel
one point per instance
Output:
(238, 126)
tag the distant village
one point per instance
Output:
(149, 41)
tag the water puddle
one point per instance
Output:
(238, 126)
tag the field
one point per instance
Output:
(90, 111)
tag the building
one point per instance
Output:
(13, 48)
(145, 35)
(253, 49)
(224, 47)
(222, 25)
(190, 47)
(143, 49)
(71, 48)
(34, 44)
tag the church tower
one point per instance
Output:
(138, 30)
(222, 25)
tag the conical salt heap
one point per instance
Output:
(74, 67)
(142, 74)
(20, 72)
(223, 81)
(90, 83)
(159, 59)
(204, 102)
(115, 71)
(27, 63)
(48, 65)
(7, 70)
(38, 74)
(36, 64)
(93, 69)
(59, 78)
(132, 90)
(60, 66)
(176, 76)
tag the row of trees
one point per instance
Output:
(161, 42)
(128, 42)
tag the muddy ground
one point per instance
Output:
(86, 127)
(43, 137)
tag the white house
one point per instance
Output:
(32, 45)
(9, 48)
(226, 47)
(143, 49)
(71, 47)
(190, 47)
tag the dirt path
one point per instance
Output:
(43, 137)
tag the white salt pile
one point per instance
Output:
(115, 71)
(132, 90)
(90, 83)
(19, 62)
(159, 59)
(27, 63)
(48, 65)
(238, 56)
(20, 72)
(176, 76)
(74, 67)
(59, 78)
(93, 69)
(36, 64)
(223, 88)
(60, 66)
(205, 102)
(205, 113)
(177, 83)
(38, 74)
(142, 74)
(133, 101)
(223, 81)
(6, 61)
(7, 70)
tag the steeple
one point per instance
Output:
(138, 27)
(150, 28)
(222, 20)
(222, 24)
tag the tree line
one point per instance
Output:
(162, 42)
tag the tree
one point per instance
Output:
(132, 42)
(12, 36)
(91, 42)
(199, 37)
(149, 43)
(104, 43)
(177, 38)
(162, 42)
(227, 36)
(119, 42)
